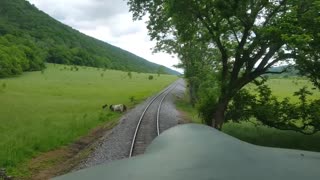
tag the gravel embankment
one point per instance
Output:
(115, 144)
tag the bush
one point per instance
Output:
(3, 87)
(280, 114)
(130, 75)
(133, 100)
(150, 77)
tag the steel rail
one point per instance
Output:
(159, 108)
(141, 117)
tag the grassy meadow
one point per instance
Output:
(41, 111)
(262, 135)
(285, 87)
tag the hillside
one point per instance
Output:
(29, 37)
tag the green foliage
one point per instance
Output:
(239, 110)
(105, 116)
(3, 87)
(207, 99)
(237, 41)
(190, 111)
(302, 94)
(271, 137)
(150, 77)
(130, 75)
(133, 100)
(308, 61)
(161, 70)
(17, 55)
(263, 107)
(29, 37)
(255, 133)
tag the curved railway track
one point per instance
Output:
(148, 126)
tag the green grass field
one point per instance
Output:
(41, 111)
(262, 135)
(282, 88)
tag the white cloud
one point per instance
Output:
(109, 21)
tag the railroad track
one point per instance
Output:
(148, 126)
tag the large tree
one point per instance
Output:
(249, 36)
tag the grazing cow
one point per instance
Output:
(118, 107)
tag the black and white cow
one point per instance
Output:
(118, 107)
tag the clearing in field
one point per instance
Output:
(41, 111)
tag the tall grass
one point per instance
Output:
(265, 136)
(282, 88)
(41, 111)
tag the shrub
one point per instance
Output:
(130, 75)
(4, 85)
(133, 100)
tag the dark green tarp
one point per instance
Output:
(197, 152)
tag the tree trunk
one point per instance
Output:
(219, 114)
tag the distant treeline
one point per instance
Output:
(284, 71)
(29, 37)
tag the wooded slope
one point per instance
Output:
(29, 37)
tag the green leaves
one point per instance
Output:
(263, 107)
(17, 55)
(241, 40)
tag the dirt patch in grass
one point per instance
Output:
(184, 118)
(63, 160)
(187, 112)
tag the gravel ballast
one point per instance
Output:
(115, 144)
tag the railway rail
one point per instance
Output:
(148, 126)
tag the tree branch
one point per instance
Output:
(282, 57)
(216, 39)
(234, 32)
(273, 49)
(274, 12)
(293, 128)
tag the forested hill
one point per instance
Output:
(29, 37)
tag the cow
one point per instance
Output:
(118, 107)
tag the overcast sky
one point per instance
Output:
(109, 21)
